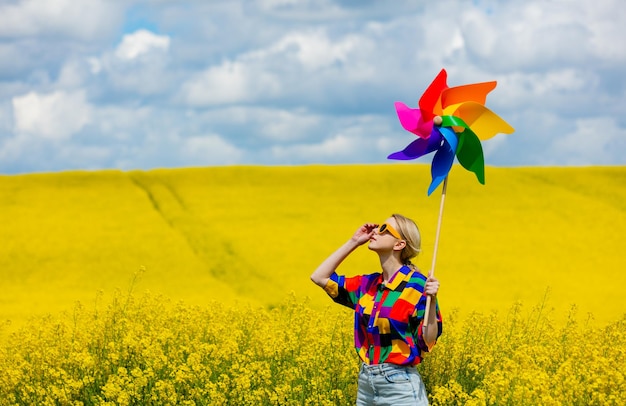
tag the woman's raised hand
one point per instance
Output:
(364, 233)
(432, 286)
(324, 271)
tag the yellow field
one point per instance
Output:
(232, 318)
(145, 350)
(256, 233)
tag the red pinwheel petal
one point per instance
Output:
(412, 120)
(431, 96)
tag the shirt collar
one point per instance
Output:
(397, 278)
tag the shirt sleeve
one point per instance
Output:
(419, 314)
(343, 290)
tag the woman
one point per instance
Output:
(389, 332)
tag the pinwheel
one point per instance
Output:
(450, 121)
(465, 121)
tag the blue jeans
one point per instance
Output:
(389, 384)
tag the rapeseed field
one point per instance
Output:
(224, 313)
(147, 350)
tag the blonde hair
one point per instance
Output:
(411, 233)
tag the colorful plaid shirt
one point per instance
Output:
(387, 318)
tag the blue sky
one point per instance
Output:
(96, 84)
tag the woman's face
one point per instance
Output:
(385, 240)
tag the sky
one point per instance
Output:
(142, 84)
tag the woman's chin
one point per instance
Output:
(372, 246)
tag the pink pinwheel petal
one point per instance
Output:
(412, 120)
(430, 100)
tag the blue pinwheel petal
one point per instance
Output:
(419, 147)
(443, 159)
(450, 136)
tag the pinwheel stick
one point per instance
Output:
(432, 268)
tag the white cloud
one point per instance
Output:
(73, 74)
(141, 42)
(270, 4)
(44, 155)
(95, 65)
(605, 21)
(531, 35)
(138, 66)
(337, 148)
(303, 10)
(56, 115)
(314, 49)
(289, 82)
(595, 140)
(230, 82)
(84, 19)
(271, 124)
(557, 89)
(283, 125)
(291, 64)
(356, 140)
(123, 124)
(209, 150)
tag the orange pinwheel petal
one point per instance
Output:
(476, 92)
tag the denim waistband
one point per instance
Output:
(379, 369)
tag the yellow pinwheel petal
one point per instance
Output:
(483, 122)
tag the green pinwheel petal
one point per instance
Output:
(470, 154)
(453, 121)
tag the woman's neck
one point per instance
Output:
(390, 265)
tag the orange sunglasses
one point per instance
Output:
(387, 227)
